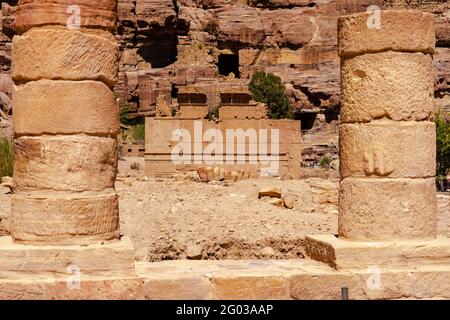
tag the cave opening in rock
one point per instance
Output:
(159, 51)
(229, 63)
(307, 120)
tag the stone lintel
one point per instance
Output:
(344, 254)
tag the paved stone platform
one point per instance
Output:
(287, 279)
(48, 278)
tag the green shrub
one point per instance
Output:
(442, 147)
(214, 112)
(134, 166)
(6, 158)
(123, 114)
(325, 162)
(138, 133)
(268, 88)
(212, 27)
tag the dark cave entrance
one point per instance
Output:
(307, 120)
(229, 63)
(160, 51)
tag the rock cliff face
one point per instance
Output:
(214, 44)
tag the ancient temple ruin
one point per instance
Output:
(243, 154)
(65, 240)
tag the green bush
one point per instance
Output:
(325, 162)
(138, 133)
(123, 114)
(442, 147)
(268, 88)
(6, 158)
(212, 27)
(214, 112)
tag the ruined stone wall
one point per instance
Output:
(160, 144)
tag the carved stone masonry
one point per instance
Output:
(387, 194)
(64, 209)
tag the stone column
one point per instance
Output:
(65, 61)
(387, 136)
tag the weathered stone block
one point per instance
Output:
(111, 258)
(64, 107)
(387, 209)
(394, 85)
(232, 287)
(56, 288)
(343, 254)
(62, 54)
(65, 163)
(388, 148)
(361, 33)
(423, 283)
(92, 14)
(64, 217)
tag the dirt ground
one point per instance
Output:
(179, 219)
(173, 219)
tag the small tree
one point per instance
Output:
(442, 147)
(268, 88)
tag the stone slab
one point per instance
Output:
(62, 54)
(384, 148)
(90, 288)
(64, 107)
(110, 258)
(59, 217)
(65, 163)
(225, 279)
(92, 14)
(286, 279)
(387, 209)
(390, 284)
(395, 85)
(360, 33)
(347, 254)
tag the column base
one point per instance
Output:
(345, 254)
(103, 270)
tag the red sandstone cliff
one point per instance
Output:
(168, 44)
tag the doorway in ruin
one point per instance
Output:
(229, 63)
